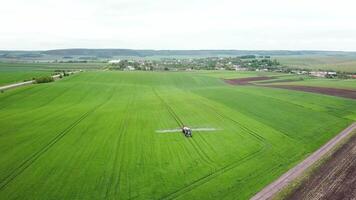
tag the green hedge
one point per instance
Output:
(44, 79)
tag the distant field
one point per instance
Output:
(7, 77)
(18, 72)
(50, 66)
(94, 136)
(13, 72)
(334, 83)
(237, 74)
(337, 63)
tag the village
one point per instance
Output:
(240, 63)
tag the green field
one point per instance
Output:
(94, 136)
(18, 72)
(318, 62)
(323, 82)
(12, 73)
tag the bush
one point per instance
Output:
(44, 79)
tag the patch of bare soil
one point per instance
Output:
(346, 93)
(335, 179)
(280, 81)
(246, 81)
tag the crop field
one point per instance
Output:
(95, 135)
(318, 62)
(322, 82)
(12, 73)
(18, 72)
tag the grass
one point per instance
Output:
(93, 136)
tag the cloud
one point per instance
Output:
(195, 24)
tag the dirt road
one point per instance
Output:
(269, 191)
(15, 85)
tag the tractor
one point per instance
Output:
(187, 131)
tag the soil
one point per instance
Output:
(246, 81)
(346, 93)
(272, 189)
(281, 81)
(335, 179)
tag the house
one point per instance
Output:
(239, 68)
(219, 68)
(129, 68)
(331, 74)
(114, 61)
(318, 74)
(323, 74)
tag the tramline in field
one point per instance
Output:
(100, 135)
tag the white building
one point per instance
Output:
(129, 68)
(318, 74)
(114, 61)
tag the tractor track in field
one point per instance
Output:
(208, 177)
(252, 133)
(226, 168)
(19, 92)
(206, 142)
(249, 131)
(119, 143)
(203, 154)
(45, 103)
(217, 172)
(295, 104)
(29, 161)
(193, 143)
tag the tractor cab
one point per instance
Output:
(187, 131)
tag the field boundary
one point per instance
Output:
(19, 84)
(270, 190)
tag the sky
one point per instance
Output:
(178, 24)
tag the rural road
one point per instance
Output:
(15, 85)
(269, 191)
(6, 87)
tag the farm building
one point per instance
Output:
(129, 68)
(318, 74)
(323, 74)
(114, 61)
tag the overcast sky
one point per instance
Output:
(178, 24)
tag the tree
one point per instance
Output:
(44, 79)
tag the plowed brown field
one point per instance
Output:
(335, 179)
(346, 93)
